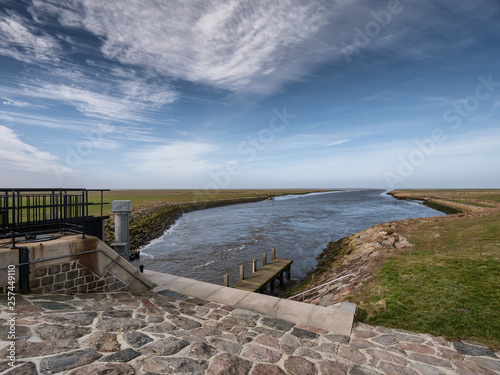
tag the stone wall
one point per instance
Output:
(74, 265)
(72, 277)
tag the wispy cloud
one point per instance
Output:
(18, 155)
(15, 103)
(339, 142)
(22, 41)
(180, 159)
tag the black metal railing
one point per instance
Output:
(29, 212)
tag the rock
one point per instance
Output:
(492, 364)
(78, 319)
(122, 356)
(28, 368)
(201, 350)
(173, 365)
(225, 345)
(267, 341)
(332, 368)
(358, 370)
(60, 332)
(167, 346)
(299, 366)
(68, 361)
(303, 334)
(103, 342)
(21, 333)
(473, 350)
(428, 370)
(262, 369)
(184, 323)
(260, 354)
(160, 328)
(26, 349)
(100, 368)
(387, 356)
(352, 354)
(430, 360)
(289, 343)
(305, 352)
(391, 369)
(227, 364)
(385, 340)
(414, 347)
(119, 324)
(386, 243)
(136, 338)
(279, 324)
(154, 319)
(53, 306)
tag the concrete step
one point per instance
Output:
(333, 320)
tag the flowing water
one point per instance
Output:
(206, 244)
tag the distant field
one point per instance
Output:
(475, 197)
(141, 198)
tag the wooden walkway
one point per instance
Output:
(259, 280)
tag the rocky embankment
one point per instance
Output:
(360, 255)
(353, 258)
(151, 221)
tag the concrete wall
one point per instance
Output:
(99, 271)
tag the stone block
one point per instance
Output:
(56, 268)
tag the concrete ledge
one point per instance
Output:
(330, 319)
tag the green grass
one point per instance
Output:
(448, 285)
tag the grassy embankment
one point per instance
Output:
(448, 284)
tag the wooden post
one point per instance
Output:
(271, 284)
(264, 259)
(254, 265)
(273, 252)
(242, 272)
(281, 279)
(226, 279)
(288, 273)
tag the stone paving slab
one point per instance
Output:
(170, 333)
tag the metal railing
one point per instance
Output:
(319, 286)
(28, 212)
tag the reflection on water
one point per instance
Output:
(206, 244)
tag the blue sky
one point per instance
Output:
(239, 94)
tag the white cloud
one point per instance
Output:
(235, 45)
(16, 155)
(339, 142)
(179, 159)
(23, 42)
(15, 103)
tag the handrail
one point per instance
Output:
(319, 286)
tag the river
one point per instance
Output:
(206, 244)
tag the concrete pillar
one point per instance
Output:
(122, 210)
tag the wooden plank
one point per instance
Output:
(266, 274)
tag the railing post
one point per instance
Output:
(254, 265)
(264, 259)
(273, 252)
(242, 272)
(226, 279)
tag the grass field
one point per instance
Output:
(449, 283)
(141, 198)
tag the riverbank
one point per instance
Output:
(150, 222)
(155, 211)
(435, 275)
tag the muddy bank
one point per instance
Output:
(150, 222)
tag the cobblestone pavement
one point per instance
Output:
(168, 333)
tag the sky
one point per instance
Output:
(209, 94)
